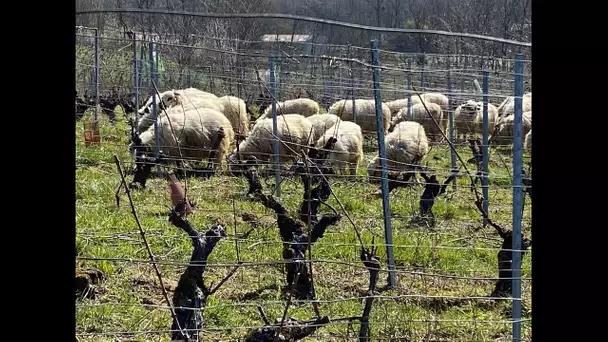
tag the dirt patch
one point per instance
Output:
(87, 281)
(149, 291)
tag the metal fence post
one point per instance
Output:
(352, 91)
(97, 78)
(451, 122)
(135, 73)
(280, 90)
(409, 88)
(156, 69)
(485, 132)
(273, 85)
(154, 104)
(388, 232)
(142, 58)
(517, 196)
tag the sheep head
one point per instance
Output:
(160, 103)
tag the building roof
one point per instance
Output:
(286, 37)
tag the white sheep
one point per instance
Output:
(441, 100)
(321, 123)
(436, 98)
(196, 132)
(232, 107)
(293, 130)
(468, 118)
(398, 104)
(186, 99)
(365, 113)
(235, 110)
(528, 142)
(503, 131)
(167, 97)
(420, 116)
(348, 150)
(302, 106)
(507, 107)
(406, 145)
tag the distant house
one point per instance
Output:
(304, 43)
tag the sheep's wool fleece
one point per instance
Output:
(302, 106)
(406, 144)
(505, 131)
(292, 129)
(348, 147)
(398, 104)
(365, 112)
(507, 107)
(321, 123)
(420, 115)
(196, 131)
(436, 98)
(235, 110)
(468, 117)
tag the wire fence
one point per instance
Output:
(444, 271)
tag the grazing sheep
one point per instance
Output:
(348, 150)
(507, 107)
(503, 131)
(441, 100)
(321, 123)
(189, 99)
(365, 112)
(528, 142)
(398, 104)
(420, 116)
(235, 110)
(302, 106)
(406, 145)
(196, 132)
(170, 98)
(292, 129)
(232, 107)
(436, 98)
(468, 117)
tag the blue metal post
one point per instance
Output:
(409, 88)
(517, 196)
(142, 58)
(154, 105)
(280, 88)
(388, 231)
(451, 122)
(140, 68)
(135, 73)
(275, 130)
(352, 93)
(156, 69)
(485, 132)
(97, 80)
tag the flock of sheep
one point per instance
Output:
(190, 118)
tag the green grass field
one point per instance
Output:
(436, 299)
